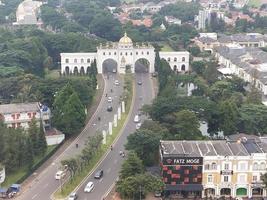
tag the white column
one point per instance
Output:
(104, 137)
(249, 191)
(119, 113)
(123, 106)
(115, 120)
(110, 128)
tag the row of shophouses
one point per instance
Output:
(224, 168)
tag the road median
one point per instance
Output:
(79, 178)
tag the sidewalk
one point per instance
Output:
(66, 143)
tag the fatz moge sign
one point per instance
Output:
(183, 161)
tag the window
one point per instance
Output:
(242, 166)
(175, 59)
(242, 178)
(13, 116)
(142, 53)
(136, 53)
(126, 54)
(195, 180)
(226, 166)
(121, 53)
(82, 60)
(147, 53)
(131, 53)
(183, 67)
(214, 166)
(169, 59)
(210, 179)
(255, 166)
(186, 180)
(207, 166)
(18, 116)
(254, 178)
(109, 53)
(66, 60)
(75, 60)
(13, 125)
(18, 125)
(115, 53)
(104, 53)
(186, 171)
(29, 115)
(88, 60)
(262, 166)
(33, 114)
(225, 178)
(183, 59)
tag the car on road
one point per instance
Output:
(136, 119)
(114, 71)
(99, 174)
(117, 82)
(89, 187)
(109, 99)
(73, 196)
(60, 174)
(157, 194)
(109, 108)
(138, 125)
(139, 82)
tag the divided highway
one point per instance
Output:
(112, 162)
(45, 184)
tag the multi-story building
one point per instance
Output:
(20, 115)
(229, 168)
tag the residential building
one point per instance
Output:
(172, 20)
(20, 115)
(215, 168)
(248, 63)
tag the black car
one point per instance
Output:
(99, 174)
(109, 109)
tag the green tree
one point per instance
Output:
(131, 166)
(33, 132)
(228, 117)
(211, 73)
(198, 67)
(42, 145)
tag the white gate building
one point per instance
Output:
(121, 56)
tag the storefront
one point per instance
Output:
(182, 176)
(241, 192)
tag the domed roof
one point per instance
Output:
(125, 39)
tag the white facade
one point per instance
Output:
(20, 115)
(125, 56)
(2, 174)
(27, 12)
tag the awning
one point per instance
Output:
(185, 187)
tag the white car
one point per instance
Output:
(73, 196)
(138, 125)
(136, 119)
(109, 99)
(89, 187)
(59, 175)
(117, 82)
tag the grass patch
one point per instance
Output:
(255, 3)
(52, 74)
(18, 174)
(166, 47)
(69, 186)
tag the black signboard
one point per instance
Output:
(227, 172)
(182, 161)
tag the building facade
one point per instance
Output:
(20, 115)
(225, 168)
(121, 56)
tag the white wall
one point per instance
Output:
(54, 139)
(176, 58)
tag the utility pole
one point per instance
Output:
(140, 190)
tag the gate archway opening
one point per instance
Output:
(110, 66)
(225, 192)
(141, 66)
(67, 70)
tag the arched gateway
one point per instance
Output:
(125, 54)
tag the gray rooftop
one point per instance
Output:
(212, 148)
(19, 107)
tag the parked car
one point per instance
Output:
(139, 82)
(60, 174)
(117, 82)
(114, 71)
(99, 174)
(73, 196)
(157, 194)
(109, 109)
(109, 99)
(89, 187)
(136, 119)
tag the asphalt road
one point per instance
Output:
(112, 162)
(45, 183)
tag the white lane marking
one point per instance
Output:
(101, 180)
(115, 161)
(108, 170)
(34, 196)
